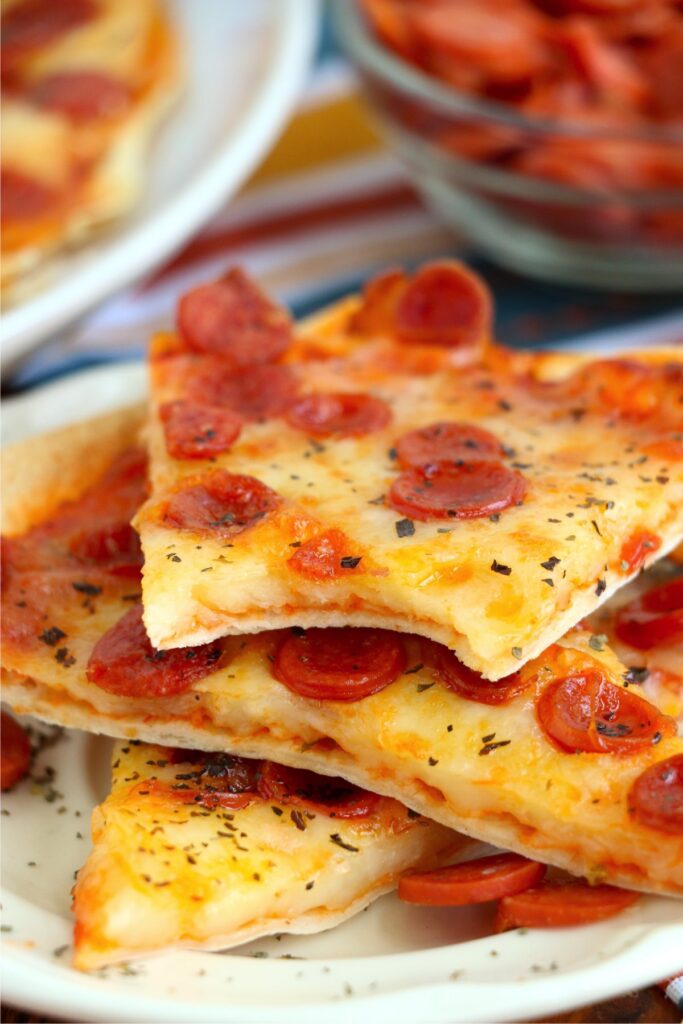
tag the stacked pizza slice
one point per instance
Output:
(374, 549)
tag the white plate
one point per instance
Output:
(395, 962)
(244, 66)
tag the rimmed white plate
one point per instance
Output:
(244, 66)
(394, 961)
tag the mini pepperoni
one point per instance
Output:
(198, 431)
(221, 503)
(446, 490)
(447, 442)
(653, 620)
(637, 548)
(114, 547)
(325, 557)
(124, 662)
(215, 780)
(31, 24)
(656, 797)
(318, 794)
(554, 904)
(339, 664)
(256, 393)
(445, 304)
(587, 713)
(15, 753)
(23, 198)
(473, 881)
(470, 684)
(81, 96)
(234, 319)
(346, 415)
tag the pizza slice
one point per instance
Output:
(564, 760)
(643, 624)
(85, 83)
(388, 466)
(207, 851)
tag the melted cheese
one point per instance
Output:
(165, 874)
(587, 494)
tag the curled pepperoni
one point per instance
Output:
(637, 548)
(444, 490)
(656, 797)
(447, 442)
(346, 415)
(31, 24)
(196, 430)
(444, 304)
(589, 714)
(213, 780)
(470, 684)
(555, 904)
(15, 753)
(653, 620)
(472, 881)
(325, 557)
(234, 319)
(339, 664)
(318, 794)
(24, 199)
(256, 393)
(221, 503)
(124, 662)
(81, 95)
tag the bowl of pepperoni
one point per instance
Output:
(547, 133)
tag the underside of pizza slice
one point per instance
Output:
(207, 851)
(563, 760)
(387, 465)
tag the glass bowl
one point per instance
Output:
(458, 150)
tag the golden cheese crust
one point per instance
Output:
(165, 874)
(94, 168)
(588, 497)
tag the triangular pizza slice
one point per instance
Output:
(387, 465)
(564, 760)
(207, 851)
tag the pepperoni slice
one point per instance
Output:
(214, 780)
(653, 620)
(444, 304)
(656, 797)
(339, 664)
(114, 547)
(622, 386)
(31, 24)
(256, 393)
(222, 504)
(318, 794)
(82, 96)
(470, 684)
(447, 442)
(637, 548)
(15, 753)
(124, 662)
(444, 490)
(196, 430)
(325, 557)
(554, 904)
(346, 415)
(587, 713)
(375, 314)
(473, 881)
(24, 199)
(234, 319)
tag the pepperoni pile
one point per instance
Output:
(229, 781)
(526, 898)
(610, 70)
